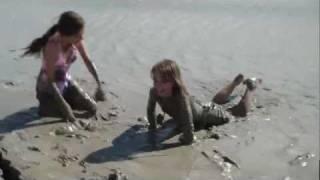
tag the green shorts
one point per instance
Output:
(214, 115)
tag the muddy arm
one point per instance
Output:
(89, 64)
(63, 105)
(185, 119)
(151, 110)
(99, 94)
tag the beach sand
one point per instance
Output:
(212, 41)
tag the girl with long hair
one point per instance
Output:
(171, 94)
(57, 93)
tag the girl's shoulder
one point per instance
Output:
(54, 40)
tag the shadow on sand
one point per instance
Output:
(29, 117)
(133, 142)
(22, 119)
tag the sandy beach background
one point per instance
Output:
(212, 41)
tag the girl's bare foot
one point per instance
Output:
(238, 79)
(252, 83)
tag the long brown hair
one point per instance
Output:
(70, 23)
(169, 70)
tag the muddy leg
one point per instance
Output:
(78, 99)
(243, 107)
(47, 106)
(215, 117)
(222, 96)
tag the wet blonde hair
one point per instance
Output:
(168, 70)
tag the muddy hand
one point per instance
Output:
(185, 141)
(71, 118)
(99, 95)
(68, 113)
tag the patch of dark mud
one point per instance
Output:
(8, 83)
(302, 160)
(115, 174)
(8, 171)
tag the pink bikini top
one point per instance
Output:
(63, 62)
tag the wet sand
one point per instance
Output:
(212, 41)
